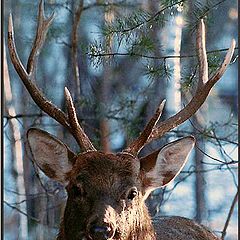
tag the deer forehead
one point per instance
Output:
(105, 170)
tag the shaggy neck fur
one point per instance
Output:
(143, 228)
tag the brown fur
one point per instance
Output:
(179, 228)
(49, 170)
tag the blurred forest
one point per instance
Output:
(119, 58)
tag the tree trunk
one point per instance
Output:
(200, 201)
(105, 91)
(17, 148)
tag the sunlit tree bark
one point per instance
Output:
(17, 148)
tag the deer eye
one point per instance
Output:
(133, 192)
(78, 191)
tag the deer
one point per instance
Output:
(107, 191)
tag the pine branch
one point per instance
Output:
(109, 4)
(97, 55)
(209, 8)
(201, 12)
(148, 20)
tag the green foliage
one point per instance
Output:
(141, 45)
(162, 70)
(133, 124)
(124, 25)
(201, 10)
(134, 29)
(160, 20)
(214, 62)
(189, 79)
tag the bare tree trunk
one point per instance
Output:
(200, 207)
(174, 92)
(200, 184)
(76, 21)
(17, 152)
(159, 89)
(200, 200)
(104, 93)
(176, 61)
(104, 124)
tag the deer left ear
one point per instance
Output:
(161, 167)
(52, 156)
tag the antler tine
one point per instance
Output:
(78, 132)
(12, 51)
(42, 29)
(203, 89)
(135, 147)
(27, 77)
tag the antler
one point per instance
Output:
(81, 136)
(28, 77)
(204, 86)
(139, 143)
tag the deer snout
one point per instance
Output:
(101, 226)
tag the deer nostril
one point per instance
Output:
(101, 232)
(100, 229)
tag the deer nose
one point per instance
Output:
(101, 232)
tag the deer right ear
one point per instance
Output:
(51, 155)
(161, 167)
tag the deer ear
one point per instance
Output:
(162, 166)
(51, 155)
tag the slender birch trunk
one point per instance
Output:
(17, 151)
(176, 85)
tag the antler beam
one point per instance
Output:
(28, 78)
(204, 86)
(81, 136)
(135, 147)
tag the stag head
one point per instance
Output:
(106, 191)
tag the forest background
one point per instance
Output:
(119, 59)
